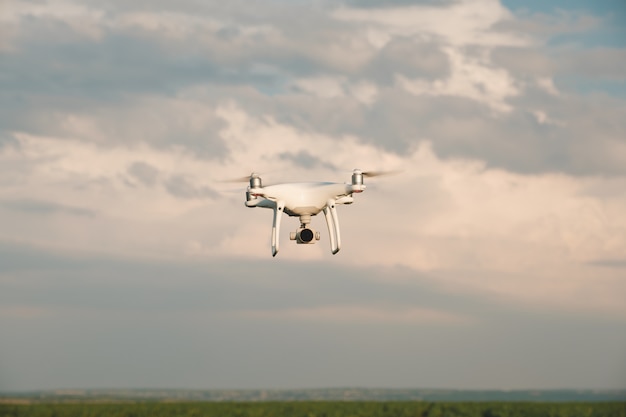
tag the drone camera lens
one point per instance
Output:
(306, 235)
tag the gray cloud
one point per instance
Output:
(110, 283)
(177, 185)
(305, 160)
(593, 63)
(609, 263)
(546, 25)
(212, 285)
(180, 187)
(144, 173)
(376, 4)
(54, 58)
(6, 139)
(44, 207)
(136, 324)
(410, 58)
(525, 62)
(460, 127)
(124, 80)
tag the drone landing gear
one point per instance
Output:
(278, 212)
(305, 234)
(330, 213)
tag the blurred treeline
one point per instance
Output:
(317, 409)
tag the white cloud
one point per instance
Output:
(462, 23)
(169, 25)
(325, 87)
(525, 238)
(466, 225)
(528, 238)
(469, 78)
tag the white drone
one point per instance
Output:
(305, 199)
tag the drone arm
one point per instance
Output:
(332, 221)
(345, 199)
(278, 212)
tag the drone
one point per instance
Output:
(304, 200)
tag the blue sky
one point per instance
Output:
(494, 260)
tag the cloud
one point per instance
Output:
(179, 187)
(461, 23)
(23, 312)
(468, 224)
(594, 63)
(527, 62)
(124, 318)
(305, 160)
(464, 215)
(58, 280)
(360, 314)
(411, 58)
(397, 3)
(44, 207)
(144, 173)
(547, 24)
(610, 263)
(134, 82)
(505, 227)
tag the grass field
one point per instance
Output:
(316, 409)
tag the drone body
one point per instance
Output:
(304, 200)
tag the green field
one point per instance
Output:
(317, 409)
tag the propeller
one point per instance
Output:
(242, 179)
(370, 174)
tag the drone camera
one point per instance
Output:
(305, 235)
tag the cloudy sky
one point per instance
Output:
(496, 259)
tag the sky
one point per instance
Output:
(494, 259)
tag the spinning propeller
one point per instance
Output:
(242, 179)
(370, 174)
